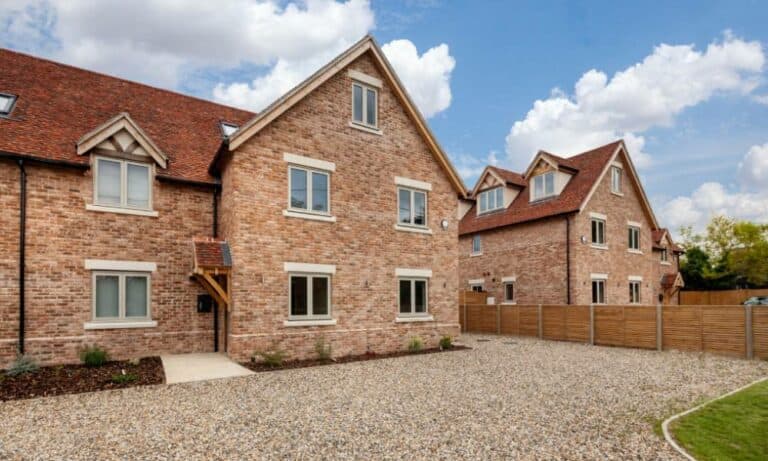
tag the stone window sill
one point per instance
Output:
(309, 323)
(365, 128)
(475, 254)
(119, 325)
(128, 211)
(420, 318)
(415, 230)
(599, 247)
(636, 252)
(666, 263)
(509, 303)
(309, 216)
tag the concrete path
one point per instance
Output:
(184, 368)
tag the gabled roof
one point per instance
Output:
(58, 105)
(366, 44)
(114, 126)
(658, 236)
(554, 160)
(211, 253)
(589, 167)
(510, 177)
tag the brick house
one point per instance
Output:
(332, 214)
(575, 230)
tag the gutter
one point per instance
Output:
(44, 161)
(22, 248)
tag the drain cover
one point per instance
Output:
(483, 340)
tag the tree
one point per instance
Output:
(749, 257)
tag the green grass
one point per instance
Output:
(734, 428)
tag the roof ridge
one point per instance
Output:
(504, 169)
(122, 79)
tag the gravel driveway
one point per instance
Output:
(507, 398)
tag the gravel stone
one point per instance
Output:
(529, 400)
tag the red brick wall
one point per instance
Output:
(61, 235)
(362, 243)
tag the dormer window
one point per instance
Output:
(365, 105)
(544, 185)
(491, 200)
(227, 129)
(6, 103)
(123, 184)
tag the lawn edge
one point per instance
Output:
(665, 425)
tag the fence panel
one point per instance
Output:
(609, 325)
(760, 331)
(640, 327)
(481, 318)
(554, 322)
(720, 297)
(510, 320)
(529, 320)
(682, 328)
(577, 319)
(723, 330)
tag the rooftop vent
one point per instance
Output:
(6, 103)
(227, 129)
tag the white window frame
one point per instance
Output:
(479, 250)
(365, 88)
(413, 312)
(635, 287)
(513, 284)
(665, 256)
(497, 194)
(544, 194)
(121, 318)
(411, 223)
(633, 236)
(598, 221)
(616, 180)
(123, 183)
(11, 102)
(310, 302)
(600, 282)
(309, 172)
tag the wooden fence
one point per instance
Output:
(739, 331)
(719, 298)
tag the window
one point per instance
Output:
(476, 287)
(309, 190)
(412, 207)
(310, 297)
(598, 291)
(634, 238)
(413, 297)
(364, 105)
(227, 129)
(634, 291)
(6, 103)
(121, 296)
(616, 180)
(509, 292)
(491, 200)
(598, 231)
(544, 185)
(664, 255)
(477, 246)
(123, 184)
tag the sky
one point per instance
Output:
(683, 83)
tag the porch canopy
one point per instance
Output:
(212, 267)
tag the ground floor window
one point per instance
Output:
(598, 291)
(634, 292)
(310, 296)
(413, 296)
(509, 292)
(476, 287)
(121, 296)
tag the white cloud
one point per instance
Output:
(712, 198)
(470, 166)
(648, 94)
(159, 41)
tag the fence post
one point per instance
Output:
(659, 328)
(592, 324)
(541, 324)
(748, 330)
(498, 319)
(466, 320)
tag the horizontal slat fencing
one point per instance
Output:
(720, 297)
(726, 330)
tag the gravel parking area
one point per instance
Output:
(506, 398)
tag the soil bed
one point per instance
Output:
(74, 379)
(261, 366)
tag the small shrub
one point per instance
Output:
(415, 344)
(93, 356)
(22, 365)
(323, 349)
(446, 342)
(124, 378)
(273, 359)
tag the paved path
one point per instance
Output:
(509, 398)
(185, 368)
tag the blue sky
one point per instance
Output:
(692, 114)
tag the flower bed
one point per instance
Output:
(74, 379)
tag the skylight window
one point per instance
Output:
(6, 103)
(227, 129)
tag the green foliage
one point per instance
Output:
(323, 349)
(446, 342)
(415, 344)
(22, 365)
(731, 428)
(273, 359)
(124, 378)
(93, 356)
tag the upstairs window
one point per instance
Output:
(477, 247)
(6, 103)
(365, 105)
(664, 256)
(490, 200)
(412, 207)
(616, 180)
(309, 190)
(509, 292)
(598, 232)
(544, 185)
(123, 184)
(634, 238)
